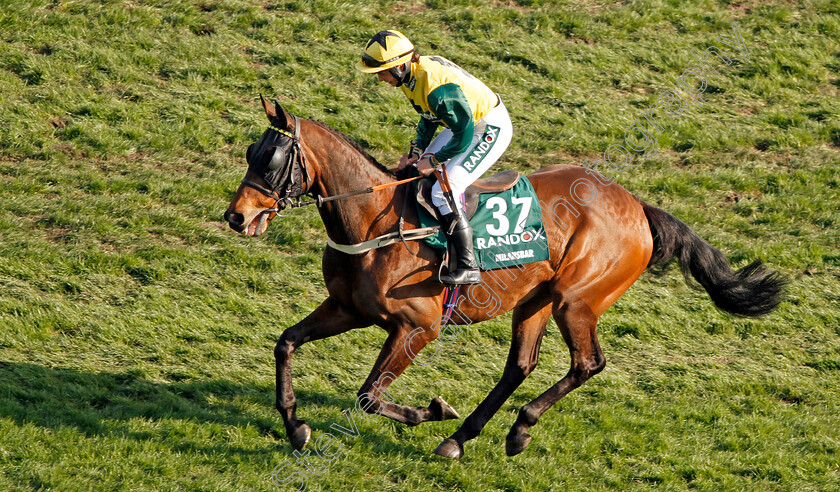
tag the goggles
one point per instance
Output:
(372, 62)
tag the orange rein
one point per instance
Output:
(396, 183)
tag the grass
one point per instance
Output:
(136, 330)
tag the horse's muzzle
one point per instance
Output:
(235, 220)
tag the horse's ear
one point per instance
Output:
(276, 114)
(269, 111)
(283, 117)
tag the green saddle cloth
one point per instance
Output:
(507, 228)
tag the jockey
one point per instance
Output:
(477, 131)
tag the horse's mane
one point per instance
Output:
(355, 145)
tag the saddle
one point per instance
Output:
(496, 183)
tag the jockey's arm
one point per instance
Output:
(450, 104)
(426, 130)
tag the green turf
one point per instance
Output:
(136, 329)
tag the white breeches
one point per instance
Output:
(492, 136)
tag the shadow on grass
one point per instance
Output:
(102, 403)
(109, 404)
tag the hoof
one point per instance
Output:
(300, 436)
(450, 448)
(443, 410)
(515, 443)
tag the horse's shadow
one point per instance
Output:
(109, 404)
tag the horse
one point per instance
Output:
(601, 239)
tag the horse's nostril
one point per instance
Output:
(235, 220)
(227, 215)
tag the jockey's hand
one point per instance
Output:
(425, 166)
(406, 161)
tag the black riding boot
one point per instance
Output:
(460, 235)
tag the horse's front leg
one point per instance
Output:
(401, 347)
(330, 318)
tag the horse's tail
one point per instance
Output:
(750, 291)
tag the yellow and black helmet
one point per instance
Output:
(387, 49)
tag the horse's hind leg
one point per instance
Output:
(330, 318)
(577, 322)
(529, 322)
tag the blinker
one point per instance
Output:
(277, 159)
(249, 153)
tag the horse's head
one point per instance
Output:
(276, 174)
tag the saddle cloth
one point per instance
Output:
(505, 215)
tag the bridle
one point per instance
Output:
(295, 165)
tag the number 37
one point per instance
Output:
(503, 224)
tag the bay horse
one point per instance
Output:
(601, 239)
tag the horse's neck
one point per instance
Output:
(343, 169)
